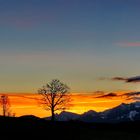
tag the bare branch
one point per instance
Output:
(54, 96)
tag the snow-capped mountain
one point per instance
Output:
(123, 112)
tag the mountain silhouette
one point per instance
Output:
(122, 113)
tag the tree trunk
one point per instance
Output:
(53, 115)
(4, 110)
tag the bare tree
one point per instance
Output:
(55, 96)
(5, 103)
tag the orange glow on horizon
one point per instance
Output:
(28, 104)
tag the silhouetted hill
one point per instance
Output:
(30, 128)
(32, 117)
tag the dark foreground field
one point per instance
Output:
(34, 128)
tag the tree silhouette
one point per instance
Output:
(5, 103)
(55, 96)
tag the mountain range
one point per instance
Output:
(122, 113)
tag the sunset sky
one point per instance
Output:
(27, 104)
(91, 45)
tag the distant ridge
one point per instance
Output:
(122, 113)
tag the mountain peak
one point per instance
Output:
(123, 112)
(67, 113)
(90, 112)
(123, 104)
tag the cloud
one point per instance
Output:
(135, 79)
(134, 98)
(127, 96)
(108, 95)
(129, 44)
(119, 78)
(130, 94)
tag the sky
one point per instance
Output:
(27, 104)
(91, 45)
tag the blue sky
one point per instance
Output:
(77, 41)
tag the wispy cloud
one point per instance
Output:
(130, 94)
(133, 96)
(107, 95)
(119, 79)
(129, 44)
(135, 79)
